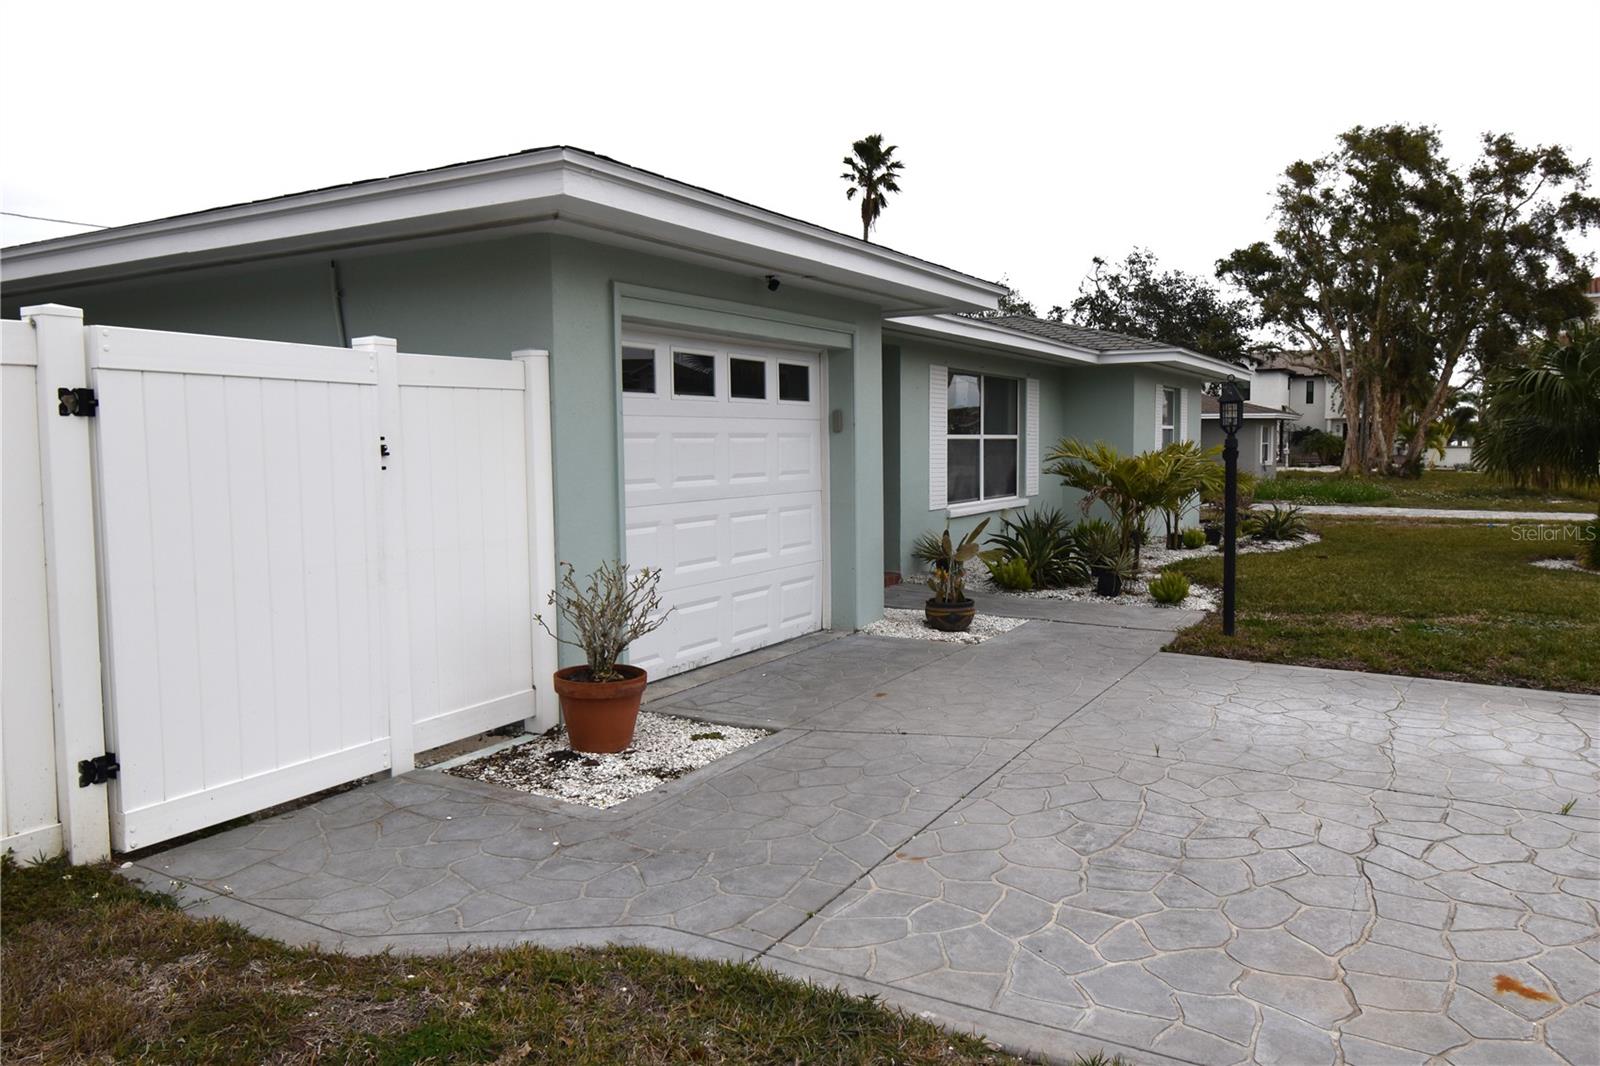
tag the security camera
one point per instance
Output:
(772, 283)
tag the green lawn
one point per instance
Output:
(1455, 489)
(94, 970)
(1429, 599)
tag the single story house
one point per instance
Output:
(1263, 439)
(767, 410)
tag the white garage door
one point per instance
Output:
(723, 489)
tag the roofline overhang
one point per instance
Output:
(1261, 416)
(568, 188)
(995, 337)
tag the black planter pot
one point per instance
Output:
(949, 616)
(1107, 582)
(1213, 535)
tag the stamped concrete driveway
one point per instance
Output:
(1062, 838)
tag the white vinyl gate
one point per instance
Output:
(312, 563)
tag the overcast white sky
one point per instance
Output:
(1035, 137)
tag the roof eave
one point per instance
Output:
(533, 188)
(985, 334)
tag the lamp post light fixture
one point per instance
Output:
(1230, 414)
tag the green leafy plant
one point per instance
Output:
(1280, 523)
(1170, 588)
(1011, 573)
(1326, 448)
(1043, 542)
(1319, 488)
(1098, 541)
(611, 612)
(1174, 478)
(1194, 538)
(1105, 476)
(1540, 423)
(948, 560)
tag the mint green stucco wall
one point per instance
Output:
(1111, 404)
(488, 298)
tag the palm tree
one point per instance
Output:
(873, 172)
(1539, 423)
(1104, 475)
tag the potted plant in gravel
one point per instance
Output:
(600, 697)
(948, 609)
(1110, 563)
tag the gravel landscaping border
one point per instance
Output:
(1151, 561)
(909, 624)
(1565, 564)
(665, 747)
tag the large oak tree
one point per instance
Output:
(1396, 270)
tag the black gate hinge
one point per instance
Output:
(80, 402)
(98, 770)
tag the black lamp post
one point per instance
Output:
(1230, 413)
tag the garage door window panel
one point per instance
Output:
(747, 378)
(794, 383)
(694, 374)
(639, 370)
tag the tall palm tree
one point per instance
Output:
(872, 171)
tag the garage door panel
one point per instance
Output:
(732, 616)
(724, 495)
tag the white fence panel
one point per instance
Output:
(29, 824)
(241, 574)
(460, 449)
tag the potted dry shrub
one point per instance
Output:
(949, 610)
(600, 697)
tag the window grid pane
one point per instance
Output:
(639, 370)
(747, 379)
(794, 382)
(694, 374)
(962, 472)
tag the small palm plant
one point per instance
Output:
(872, 171)
(949, 559)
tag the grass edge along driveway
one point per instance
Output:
(95, 969)
(1452, 600)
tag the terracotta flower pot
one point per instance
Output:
(600, 715)
(949, 616)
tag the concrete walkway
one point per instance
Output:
(1435, 512)
(1062, 838)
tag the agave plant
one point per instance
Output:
(1042, 542)
(949, 559)
(1280, 523)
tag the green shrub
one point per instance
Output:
(1170, 588)
(1293, 488)
(1280, 523)
(1098, 541)
(1248, 485)
(1011, 573)
(1194, 538)
(1042, 540)
(1326, 448)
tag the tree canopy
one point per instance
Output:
(1136, 296)
(1396, 270)
(1540, 422)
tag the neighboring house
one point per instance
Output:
(767, 410)
(1263, 439)
(1291, 381)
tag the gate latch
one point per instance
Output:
(98, 770)
(80, 402)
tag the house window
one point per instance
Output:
(747, 379)
(981, 439)
(1169, 416)
(1266, 444)
(639, 370)
(1311, 390)
(694, 374)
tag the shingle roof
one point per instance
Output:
(1095, 340)
(1295, 362)
(1209, 406)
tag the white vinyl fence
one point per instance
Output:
(305, 564)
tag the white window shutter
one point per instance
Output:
(1030, 484)
(1183, 416)
(1161, 396)
(938, 386)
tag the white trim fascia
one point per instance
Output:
(978, 333)
(557, 184)
(1264, 416)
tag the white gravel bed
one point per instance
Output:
(664, 748)
(1151, 560)
(909, 624)
(1565, 564)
